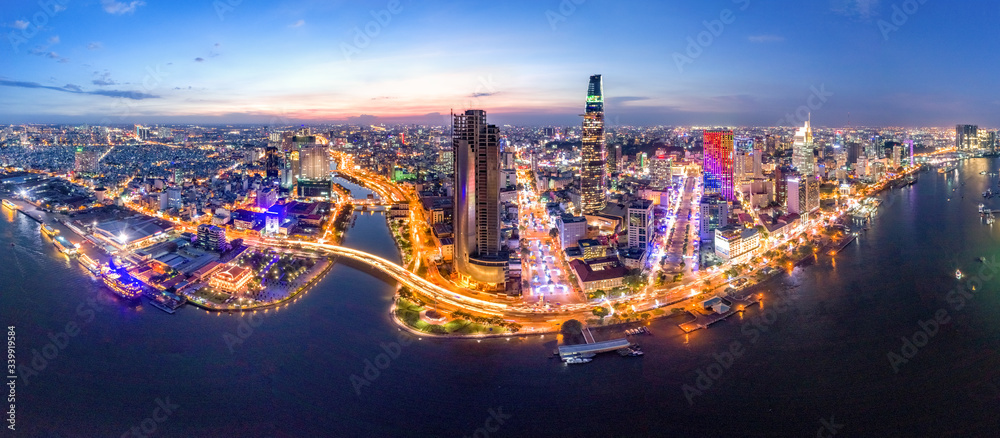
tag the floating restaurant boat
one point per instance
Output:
(121, 283)
(9, 205)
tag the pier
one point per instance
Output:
(568, 351)
(704, 320)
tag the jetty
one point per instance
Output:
(582, 350)
(721, 309)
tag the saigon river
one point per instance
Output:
(814, 356)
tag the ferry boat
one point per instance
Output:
(9, 205)
(573, 360)
(958, 274)
(981, 207)
(49, 231)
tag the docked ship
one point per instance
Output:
(49, 231)
(121, 283)
(64, 246)
(9, 205)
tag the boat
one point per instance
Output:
(64, 246)
(573, 360)
(958, 274)
(9, 205)
(49, 231)
(981, 206)
(121, 283)
(982, 259)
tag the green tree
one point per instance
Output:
(553, 233)
(600, 311)
(571, 327)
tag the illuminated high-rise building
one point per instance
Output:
(718, 166)
(311, 167)
(803, 155)
(593, 153)
(480, 260)
(966, 137)
(272, 161)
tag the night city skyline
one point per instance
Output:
(212, 62)
(521, 218)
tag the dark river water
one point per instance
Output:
(815, 356)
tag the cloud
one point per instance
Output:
(766, 38)
(299, 23)
(54, 39)
(860, 9)
(199, 59)
(475, 95)
(95, 46)
(625, 99)
(52, 55)
(121, 8)
(20, 25)
(103, 79)
(70, 88)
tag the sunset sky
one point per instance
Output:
(524, 61)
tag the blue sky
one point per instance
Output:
(525, 62)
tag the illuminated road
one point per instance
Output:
(409, 279)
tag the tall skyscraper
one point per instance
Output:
(272, 161)
(966, 137)
(803, 157)
(311, 167)
(718, 168)
(480, 259)
(593, 153)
